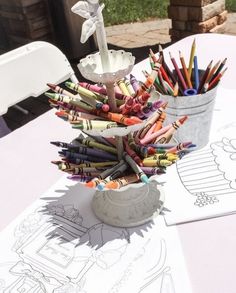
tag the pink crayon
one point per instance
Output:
(102, 90)
(142, 99)
(154, 135)
(126, 108)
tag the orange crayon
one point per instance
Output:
(116, 117)
(122, 181)
(185, 70)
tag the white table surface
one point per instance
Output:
(26, 172)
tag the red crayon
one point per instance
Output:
(178, 72)
(216, 79)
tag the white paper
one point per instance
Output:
(203, 183)
(57, 245)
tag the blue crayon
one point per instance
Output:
(196, 73)
(73, 156)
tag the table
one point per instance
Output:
(25, 166)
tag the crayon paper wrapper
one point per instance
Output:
(122, 131)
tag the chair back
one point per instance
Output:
(25, 72)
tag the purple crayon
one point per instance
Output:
(134, 82)
(153, 171)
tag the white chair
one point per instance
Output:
(25, 72)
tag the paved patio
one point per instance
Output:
(148, 33)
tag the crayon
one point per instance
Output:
(222, 64)
(59, 97)
(156, 105)
(88, 170)
(178, 72)
(145, 86)
(115, 170)
(154, 135)
(216, 79)
(196, 73)
(132, 153)
(123, 88)
(61, 91)
(176, 89)
(165, 89)
(97, 165)
(166, 156)
(134, 82)
(142, 99)
(93, 152)
(151, 121)
(145, 111)
(153, 171)
(179, 147)
(119, 118)
(192, 53)
(117, 89)
(129, 86)
(127, 106)
(185, 70)
(88, 96)
(159, 122)
(136, 168)
(165, 138)
(72, 156)
(156, 163)
(101, 146)
(115, 174)
(102, 91)
(204, 77)
(94, 124)
(123, 181)
(212, 71)
(80, 178)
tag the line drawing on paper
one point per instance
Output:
(210, 174)
(60, 255)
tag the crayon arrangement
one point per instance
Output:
(93, 160)
(186, 81)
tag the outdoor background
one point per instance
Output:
(139, 10)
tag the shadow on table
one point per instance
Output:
(72, 220)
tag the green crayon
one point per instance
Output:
(94, 144)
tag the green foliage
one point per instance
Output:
(126, 11)
(231, 5)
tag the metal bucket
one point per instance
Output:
(199, 109)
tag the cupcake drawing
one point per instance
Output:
(210, 173)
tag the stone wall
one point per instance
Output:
(196, 16)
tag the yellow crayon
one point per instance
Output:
(190, 66)
(129, 87)
(156, 163)
(166, 156)
(123, 87)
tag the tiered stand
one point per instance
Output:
(137, 203)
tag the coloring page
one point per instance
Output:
(203, 182)
(57, 245)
